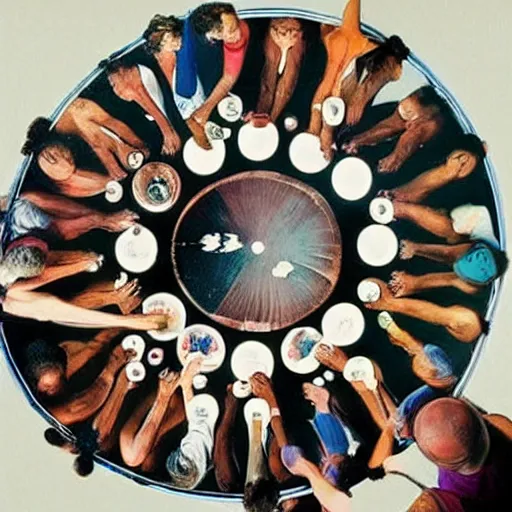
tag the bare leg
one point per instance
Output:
(427, 218)
(84, 183)
(227, 471)
(462, 323)
(275, 464)
(58, 206)
(403, 284)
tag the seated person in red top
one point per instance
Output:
(218, 21)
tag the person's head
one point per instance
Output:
(420, 102)
(45, 370)
(452, 434)
(53, 156)
(389, 54)
(21, 262)
(262, 495)
(217, 21)
(183, 471)
(163, 34)
(467, 151)
(120, 77)
(481, 264)
(83, 465)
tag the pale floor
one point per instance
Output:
(47, 47)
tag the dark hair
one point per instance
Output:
(207, 17)
(469, 142)
(54, 437)
(157, 28)
(376, 59)
(261, 495)
(111, 66)
(83, 465)
(500, 257)
(427, 96)
(38, 136)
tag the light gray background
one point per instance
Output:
(48, 47)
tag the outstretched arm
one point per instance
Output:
(79, 353)
(137, 443)
(386, 129)
(448, 254)
(48, 308)
(88, 402)
(384, 447)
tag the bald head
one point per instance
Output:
(452, 434)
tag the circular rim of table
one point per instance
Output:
(254, 13)
(319, 200)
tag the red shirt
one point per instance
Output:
(234, 53)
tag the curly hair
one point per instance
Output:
(375, 60)
(38, 136)
(208, 17)
(21, 262)
(157, 28)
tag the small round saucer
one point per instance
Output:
(333, 111)
(352, 178)
(343, 324)
(231, 108)
(377, 245)
(251, 357)
(382, 210)
(156, 356)
(113, 192)
(156, 187)
(135, 371)
(136, 249)
(203, 340)
(306, 155)
(166, 304)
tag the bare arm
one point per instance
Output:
(269, 76)
(448, 254)
(502, 423)
(88, 402)
(80, 353)
(386, 129)
(384, 447)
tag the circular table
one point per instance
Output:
(255, 246)
(297, 260)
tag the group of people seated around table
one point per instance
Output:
(357, 428)
(175, 432)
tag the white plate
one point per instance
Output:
(202, 161)
(203, 407)
(251, 357)
(352, 178)
(113, 192)
(382, 210)
(343, 324)
(377, 245)
(231, 108)
(307, 364)
(136, 249)
(258, 144)
(156, 356)
(136, 343)
(212, 361)
(333, 111)
(165, 303)
(360, 368)
(368, 291)
(306, 155)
